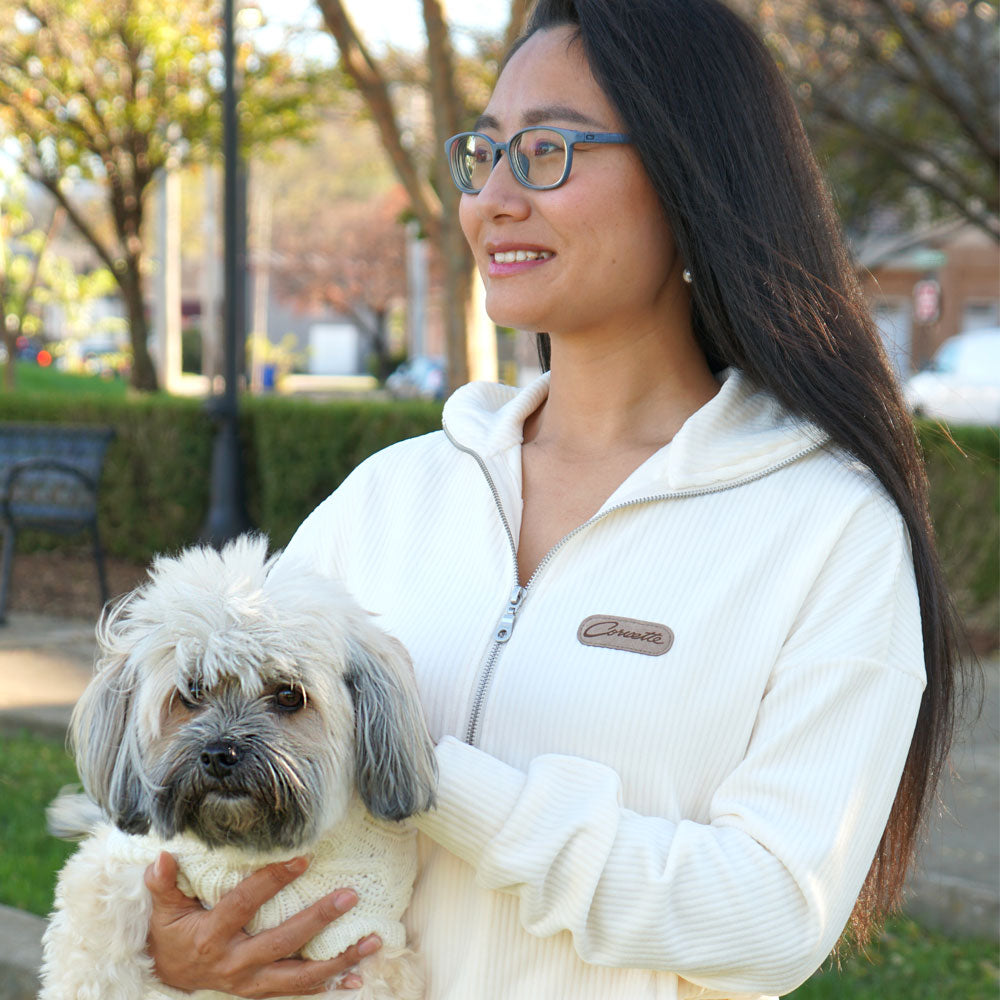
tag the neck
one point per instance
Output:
(628, 392)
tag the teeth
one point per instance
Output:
(510, 256)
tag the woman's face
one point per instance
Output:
(607, 252)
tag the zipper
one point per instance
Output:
(515, 602)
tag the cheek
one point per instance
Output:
(469, 220)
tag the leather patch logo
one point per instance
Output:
(615, 632)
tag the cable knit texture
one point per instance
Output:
(609, 824)
(375, 858)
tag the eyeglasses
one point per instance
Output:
(540, 157)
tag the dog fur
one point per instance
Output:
(243, 710)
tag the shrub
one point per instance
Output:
(156, 488)
(963, 472)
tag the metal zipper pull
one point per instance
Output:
(506, 624)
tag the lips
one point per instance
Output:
(511, 258)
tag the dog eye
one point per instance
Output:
(195, 693)
(289, 699)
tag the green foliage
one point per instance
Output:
(304, 450)
(963, 471)
(155, 492)
(910, 963)
(119, 90)
(156, 487)
(896, 98)
(32, 276)
(104, 89)
(34, 770)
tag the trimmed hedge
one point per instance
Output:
(963, 473)
(303, 450)
(155, 492)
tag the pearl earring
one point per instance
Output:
(686, 275)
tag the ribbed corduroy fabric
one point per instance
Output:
(618, 825)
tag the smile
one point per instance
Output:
(513, 256)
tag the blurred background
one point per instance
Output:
(243, 371)
(111, 167)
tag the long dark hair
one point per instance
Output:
(775, 295)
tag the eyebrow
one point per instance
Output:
(541, 115)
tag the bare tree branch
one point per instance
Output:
(366, 74)
(938, 85)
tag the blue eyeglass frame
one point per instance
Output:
(571, 136)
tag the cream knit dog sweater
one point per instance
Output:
(375, 858)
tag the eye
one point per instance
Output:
(194, 695)
(289, 699)
(545, 147)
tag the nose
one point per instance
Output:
(220, 758)
(502, 194)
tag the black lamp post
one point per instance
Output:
(227, 514)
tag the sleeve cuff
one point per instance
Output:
(475, 795)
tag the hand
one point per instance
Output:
(194, 948)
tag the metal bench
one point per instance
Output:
(49, 478)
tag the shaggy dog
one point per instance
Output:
(242, 711)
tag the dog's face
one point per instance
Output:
(243, 702)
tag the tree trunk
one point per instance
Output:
(380, 344)
(457, 287)
(143, 375)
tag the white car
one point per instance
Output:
(961, 385)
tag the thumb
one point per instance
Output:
(161, 881)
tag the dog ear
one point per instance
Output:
(395, 767)
(102, 736)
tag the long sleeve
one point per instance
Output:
(754, 899)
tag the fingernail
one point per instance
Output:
(369, 945)
(350, 983)
(296, 866)
(159, 865)
(344, 899)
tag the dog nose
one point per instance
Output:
(220, 758)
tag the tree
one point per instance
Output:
(31, 275)
(120, 90)
(433, 197)
(902, 100)
(352, 259)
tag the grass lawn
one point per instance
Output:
(32, 379)
(32, 770)
(906, 963)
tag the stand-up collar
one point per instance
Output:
(741, 432)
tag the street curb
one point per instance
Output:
(20, 953)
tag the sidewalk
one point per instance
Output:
(45, 663)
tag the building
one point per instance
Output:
(929, 284)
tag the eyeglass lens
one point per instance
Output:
(538, 158)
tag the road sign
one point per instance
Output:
(926, 301)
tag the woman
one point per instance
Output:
(674, 608)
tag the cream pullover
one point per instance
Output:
(613, 824)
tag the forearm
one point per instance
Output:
(751, 899)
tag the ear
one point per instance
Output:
(395, 768)
(102, 736)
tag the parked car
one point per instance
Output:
(420, 377)
(961, 385)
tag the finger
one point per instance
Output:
(290, 936)
(234, 911)
(294, 977)
(161, 881)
